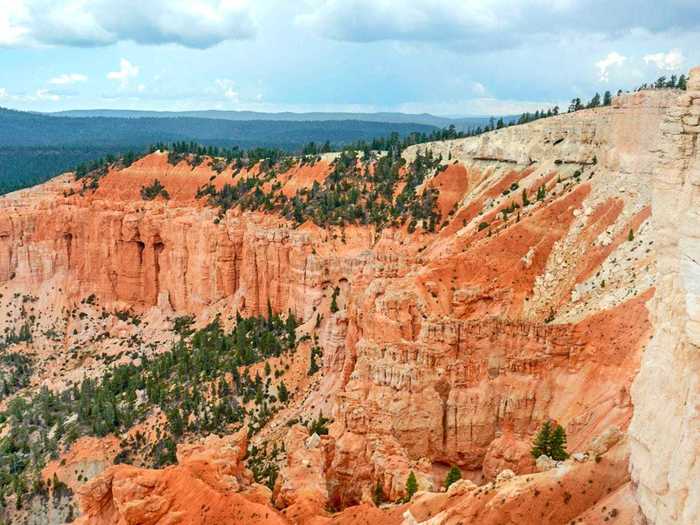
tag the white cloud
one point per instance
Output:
(478, 89)
(38, 95)
(45, 94)
(477, 25)
(195, 23)
(228, 88)
(671, 61)
(126, 71)
(13, 14)
(613, 59)
(68, 78)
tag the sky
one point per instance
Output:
(446, 57)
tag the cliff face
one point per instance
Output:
(445, 348)
(665, 430)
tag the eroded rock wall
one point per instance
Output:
(665, 431)
(446, 348)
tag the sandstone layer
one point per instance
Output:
(445, 348)
(666, 427)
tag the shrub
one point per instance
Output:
(550, 441)
(411, 486)
(148, 193)
(453, 475)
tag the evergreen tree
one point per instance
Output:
(334, 302)
(630, 235)
(541, 193)
(411, 486)
(282, 392)
(526, 201)
(453, 475)
(378, 495)
(540, 446)
(607, 98)
(550, 441)
(682, 83)
(558, 444)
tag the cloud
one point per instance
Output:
(13, 14)
(228, 88)
(38, 95)
(478, 89)
(613, 59)
(491, 24)
(45, 94)
(68, 78)
(126, 71)
(87, 23)
(671, 61)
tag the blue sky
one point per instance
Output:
(447, 57)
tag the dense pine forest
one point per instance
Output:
(36, 147)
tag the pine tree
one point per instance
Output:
(682, 83)
(411, 486)
(334, 303)
(453, 475)
(282, 392)
(630, 235)
(558, 444)
(607, 98)
(541, 193)
(541, 444)
(526, 201)
(378, 495)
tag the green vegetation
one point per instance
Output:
(316, 353)
(15, 372)
(319, 425)
(550, 441)
(378, 493)
(263, 463)
(155, 189)
(411, 486)
(334, 300)
(453, 475)
(36, 147)
(198, 385)
(531, 117)
(672, 82)
(353, 193)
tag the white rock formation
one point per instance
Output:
(665, 430)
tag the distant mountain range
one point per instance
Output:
(37, 146)
(461, 124)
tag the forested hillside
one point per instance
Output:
(35, 147)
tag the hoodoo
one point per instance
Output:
(200, 341)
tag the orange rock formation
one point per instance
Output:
(447, 349)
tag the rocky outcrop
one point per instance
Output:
(665, 431)
(444, 348)
(205, 487)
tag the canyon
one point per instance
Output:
(436, 348)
